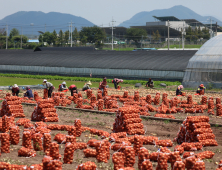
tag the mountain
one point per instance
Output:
(53, 20)
(181, 12)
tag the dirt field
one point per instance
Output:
(163, 130)
(160, 129)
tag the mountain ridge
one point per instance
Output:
(179, 11)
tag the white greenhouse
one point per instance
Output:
(205, 67)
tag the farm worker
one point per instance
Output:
(28, 93)
(73, 89)
(49, 86)
(201, 89)
(63, 86)
(179, 90)
(102, 85)
(87, 86)
(116, 82)
(15, 90)
(150, 83)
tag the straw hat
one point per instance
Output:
(89, 83)
(15, 85)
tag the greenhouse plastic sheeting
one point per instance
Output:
(163, 60)
(175, 75)
(206, 65)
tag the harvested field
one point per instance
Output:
(161, 129)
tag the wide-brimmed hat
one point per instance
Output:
(104, 78)
(89, 83)
(27, 88)
(180, 86)
(201, 85)
(63, 82)
(15, 85)
(44, 80)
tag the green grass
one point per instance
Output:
(80, 79)
(186, 46)
(121, 49)
(7, 81)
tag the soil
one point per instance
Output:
(163, 130)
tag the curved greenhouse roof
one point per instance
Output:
(206, 65)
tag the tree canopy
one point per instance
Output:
(135, 34)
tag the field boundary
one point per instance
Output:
(113, 113)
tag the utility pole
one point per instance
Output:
(183, 36)
(168, 35)
(21, 37)
(216, 28)
(112, 32)
(71, 33)
(210, 27)
(6, 36)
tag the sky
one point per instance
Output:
(101, 12)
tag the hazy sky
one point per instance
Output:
(101, 11)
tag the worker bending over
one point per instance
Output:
(150, 83)
(87, 86)
(28, 93)
(116, 82)
(49, 87)
(201, 90)
(179, 90)
(63, 86)
(73, 89)
(102, 85)
(15, 90)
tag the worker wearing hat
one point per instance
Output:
(179, 90)
(87, 86)
(73, 89)
(63, 86)
(201, 89)
(49, 86)
(102, 85)
(15, 90)
(28, 93)
(116, 82)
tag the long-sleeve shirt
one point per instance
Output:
(103, 84)
(62, 87)
(48, 84)
(28, 94)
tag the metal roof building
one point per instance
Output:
(206, 65)
(164, 65)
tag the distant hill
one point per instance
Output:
(181, 12)
(53, 20)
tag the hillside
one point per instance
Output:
(53, 20)
(179, 11)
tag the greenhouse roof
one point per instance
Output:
(175, 60)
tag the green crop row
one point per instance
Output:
(50, 77)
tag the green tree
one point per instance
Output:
(84, 39)
(200, 34)
(93, 34)
(156, 36)
(135, 34)
(66, 37)
(60, 37)
(206, 34)
(54, 37)
(75, 35)
(2, 32)
(189, 33)
(47, 37)
(18, 39)
(13, 32)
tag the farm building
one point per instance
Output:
(206, 65)
(160, 65)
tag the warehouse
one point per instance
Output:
(160, 65)
(206, 65)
